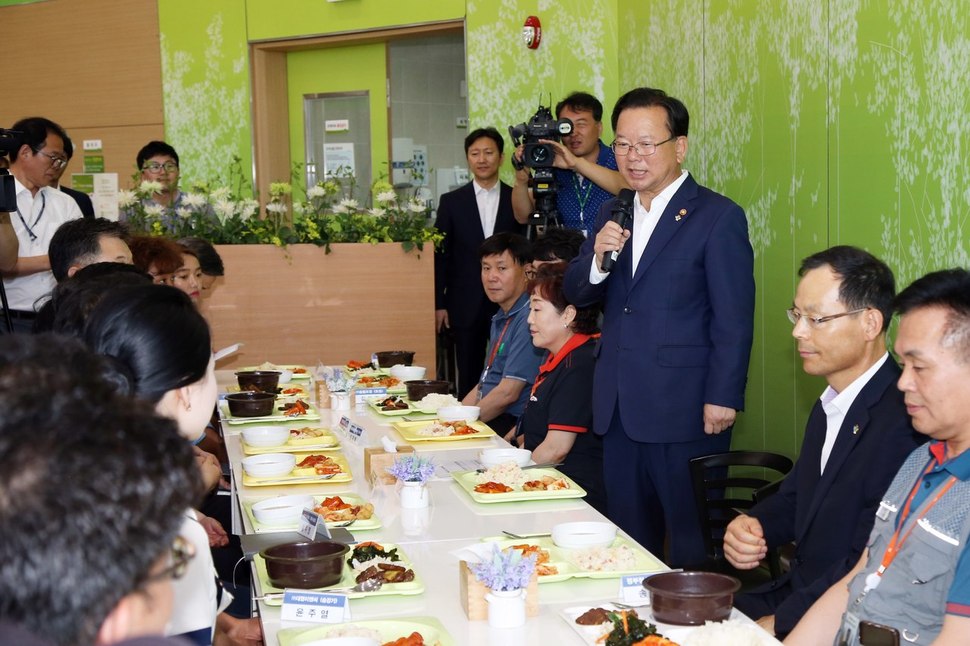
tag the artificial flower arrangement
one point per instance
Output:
(506, 570)
(411, 468)
(324, 217)
(337, 382)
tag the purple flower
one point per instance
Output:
(411, 468)
(506, 570)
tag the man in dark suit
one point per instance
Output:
(857, 435)
(83, 199)
(466, 216)
(677, 327)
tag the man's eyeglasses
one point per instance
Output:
(182, 552)
(57, 162)
(623, 148)
(817, 321)
(155, 167)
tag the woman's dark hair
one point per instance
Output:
(209, 260)
(73, 300)
(157, 332)
(547, 285)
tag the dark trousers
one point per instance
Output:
(470, 345)
(649, 491)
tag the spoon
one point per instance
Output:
(368, 585)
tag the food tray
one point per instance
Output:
(299, 371)
(325, 443)
(388, 413)
(311, 416)
(561, 558)
(430, 628)
(409, 431)
(467, 480)
(359, 525)
(591, 634)
(308, 474)
(348, 580)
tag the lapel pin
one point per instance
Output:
(683, 213)
(855, 429)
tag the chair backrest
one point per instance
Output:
(713, 475)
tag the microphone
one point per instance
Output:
(622, 214)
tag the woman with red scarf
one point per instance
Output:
(557, 423)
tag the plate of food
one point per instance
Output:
(299, 371)
(393, 384)
(393, 405)
(282, 412)
(367, 560)
(307, 438)
(310, 468)
(554, 563)
(337, 510)
(407, 631)
(438, 431)
(606, 623)
(509, 483)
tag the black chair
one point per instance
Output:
(725, 485)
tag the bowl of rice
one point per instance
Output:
(432, 402)
(579, 535)
(691, 598)
(495, 457)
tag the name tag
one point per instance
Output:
(310, 523)
(632, 590)
(363, 395)
(317, 607)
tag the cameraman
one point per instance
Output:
(9, 246)
(585, 168)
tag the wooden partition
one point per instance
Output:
(301, 304)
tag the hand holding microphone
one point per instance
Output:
(622, 215)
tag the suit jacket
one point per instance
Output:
(830, 515)
(83, 201)
(677, 334)
(457, 267)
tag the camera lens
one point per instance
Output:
(540, 155)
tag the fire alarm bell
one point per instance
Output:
(532, 32)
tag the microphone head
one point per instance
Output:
(625, 196)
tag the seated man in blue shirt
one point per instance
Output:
(511, 361)
(913, 580)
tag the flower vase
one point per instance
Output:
(414, 495)
(506, 608)
(340, 401)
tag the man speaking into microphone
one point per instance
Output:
(678, 314)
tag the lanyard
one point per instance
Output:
(896, 543)
(491, 358)
(29, 227)
(584, 198)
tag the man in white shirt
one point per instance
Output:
(467, 216)
(40, 211)
(856, 437)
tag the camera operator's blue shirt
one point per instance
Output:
(578, 203)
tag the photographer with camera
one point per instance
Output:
(8, 237)
(583, 168)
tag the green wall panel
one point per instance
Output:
(270, 19)
(205, 77)
(340, 69)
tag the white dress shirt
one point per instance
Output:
(487, 199)
(837, 404)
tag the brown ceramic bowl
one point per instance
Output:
(418, 388)
(261, 381)
(390, 358)
(305, 565)
(251, 404)
(691, 598)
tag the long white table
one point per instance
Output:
(428, 536)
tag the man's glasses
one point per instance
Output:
(817, 321)
(57, 162)
(155, 167)
(623, 148)
(182, 552)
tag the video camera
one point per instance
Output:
(9, 143)
(540, 157)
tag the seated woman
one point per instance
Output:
(159, 336)
(557, 423)
(209, 261)
(157, 256)
(188, 277)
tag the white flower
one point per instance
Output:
(193, 200)
(224, 209)
(276, 207)
(149, 187)
(386, 196)
(417, 206)
(126, 198)
(183, 212)
(154, 210)
(221, 193)
(377, 212)
(339, 208)
(299, 208)
(316, 191)
(248, 208)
